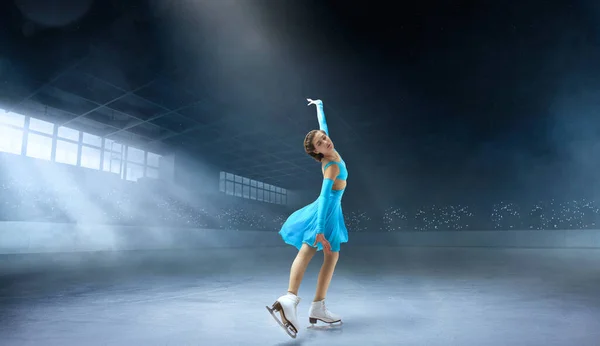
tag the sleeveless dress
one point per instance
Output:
(300, 226)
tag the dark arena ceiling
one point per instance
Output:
(415, 98)
(118, 74)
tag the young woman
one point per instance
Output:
(317, 226)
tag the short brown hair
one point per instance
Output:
(309, 147)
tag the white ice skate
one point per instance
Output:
(318, 311)
(286, 306)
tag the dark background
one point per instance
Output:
(440, 102)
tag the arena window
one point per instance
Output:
(113, 157)
(39, 146)
(11, 139)
(66, 152)
(235, 185)
(12, 119)
(11, 132)
(36, 138)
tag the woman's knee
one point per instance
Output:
(332, 256)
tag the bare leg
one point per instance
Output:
(286, 305)
(325, 275)
(299, 265)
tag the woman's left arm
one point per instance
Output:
(320, 115)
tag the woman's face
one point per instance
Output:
(323, 144)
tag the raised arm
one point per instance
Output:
(320, 115)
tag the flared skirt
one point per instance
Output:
(300, 227)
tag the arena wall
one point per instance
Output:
(37, 237)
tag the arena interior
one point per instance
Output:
(150, 151)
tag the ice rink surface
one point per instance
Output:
(385, 295)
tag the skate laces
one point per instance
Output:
(327, 312)
(323, 307)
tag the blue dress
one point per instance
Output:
(301, 226)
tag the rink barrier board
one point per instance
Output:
(37, 237)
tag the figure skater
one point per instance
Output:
(317, 226)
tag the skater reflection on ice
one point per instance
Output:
(317, 226)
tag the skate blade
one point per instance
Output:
(325, 326)
(289, 329)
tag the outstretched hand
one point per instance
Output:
(324, 242)
(314, 102)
